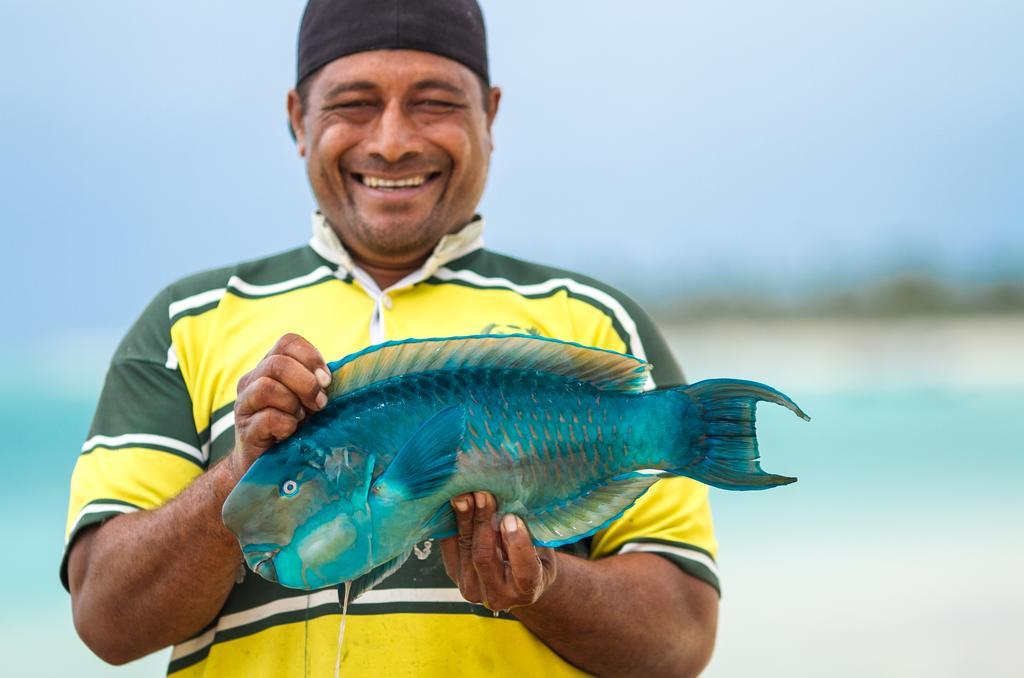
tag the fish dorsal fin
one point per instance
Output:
(607, 370)
(426, 461)
(366, 582)
(585, 514)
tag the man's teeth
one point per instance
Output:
(380, 182)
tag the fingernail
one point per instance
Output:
(481, 500)
(510, 523)
(321, 400)
(461, 505)
(302, 413)
(323, 377)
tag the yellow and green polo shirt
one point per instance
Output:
(165, 414)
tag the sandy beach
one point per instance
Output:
(975, 352)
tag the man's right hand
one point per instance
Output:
(159, 551)
(276, 397)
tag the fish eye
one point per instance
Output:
(289, 488)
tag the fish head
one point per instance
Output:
(303, 521)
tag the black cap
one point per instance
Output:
(332, 29)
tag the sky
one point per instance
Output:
(668, 148)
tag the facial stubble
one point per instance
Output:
(398, 240)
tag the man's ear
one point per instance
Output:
(295, 121)
(493, 99)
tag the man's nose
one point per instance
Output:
(394, 136)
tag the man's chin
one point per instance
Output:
(391, 238)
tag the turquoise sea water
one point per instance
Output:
(896, 553)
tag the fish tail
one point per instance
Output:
(723, 440)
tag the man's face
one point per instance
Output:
(397, 145)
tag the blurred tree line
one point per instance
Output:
(901, 296)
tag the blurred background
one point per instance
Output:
(823, 196)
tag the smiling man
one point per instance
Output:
(396, 144)
(392, 112)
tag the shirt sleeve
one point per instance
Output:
(673, 518)
(142, 448)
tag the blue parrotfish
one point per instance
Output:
(564, 436)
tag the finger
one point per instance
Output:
(525, 568)
(450, 558)
(267, 392)
(297, 378)
(266, 427)
(486, 558)
(464, 508)
(469, 583)
(297, 347)
(549, 564)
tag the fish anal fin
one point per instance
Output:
(426, 461)
(366, 582)
(589, 512)
(604, 369)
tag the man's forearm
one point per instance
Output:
(145, 580)
(631, 614)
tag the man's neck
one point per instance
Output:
(384, 271)
(386, 276)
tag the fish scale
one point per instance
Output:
(561, 434)
(488, 408)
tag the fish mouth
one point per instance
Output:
(261, 561)
(266, 569)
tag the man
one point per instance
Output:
(392, 112)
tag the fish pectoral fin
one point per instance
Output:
(442, 524)
(366, 582)
(427, 460)
(588, 512)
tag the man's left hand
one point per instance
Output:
(499, 568)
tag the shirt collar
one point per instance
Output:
(327, 244)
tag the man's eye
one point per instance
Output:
(351, 105)
(438, 104)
